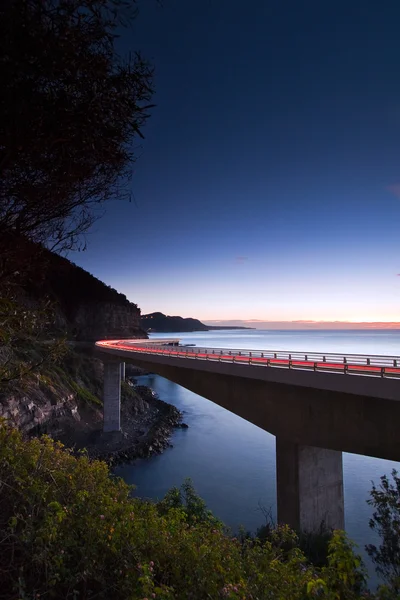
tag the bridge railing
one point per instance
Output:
(362, 364)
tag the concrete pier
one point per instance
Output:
(122, 371)
(309, 486)
(112, 396)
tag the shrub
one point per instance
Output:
(69, 530)
(191, 505)
(314, 544)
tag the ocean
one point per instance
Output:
(232, 462)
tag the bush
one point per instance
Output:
(190, 504)
(386, 521)
(69, 530)
(314, 544)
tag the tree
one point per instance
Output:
(386, 521)
(70, 109)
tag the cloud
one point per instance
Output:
(239, 260)
(254, 321)
(394, 189)
(304, 321)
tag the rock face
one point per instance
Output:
(35, 409)
(102, 320)
(64, 395)
(65, 402)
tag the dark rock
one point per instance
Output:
(143, 435)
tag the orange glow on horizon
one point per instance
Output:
(299, 324)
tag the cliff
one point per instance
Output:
(86, 308)
(97, 320)
(61, 396)
(158, 322)
(64, 401)
(63, 393)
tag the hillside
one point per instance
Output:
(158, 322)
(86, 308)
(46, 383)
(49, 385)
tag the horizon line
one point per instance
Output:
(257, 323)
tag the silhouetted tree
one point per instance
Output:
(69, 111)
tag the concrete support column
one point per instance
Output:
(122, 371)
(112, 396)
(309, 486)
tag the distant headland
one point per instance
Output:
(158, 322)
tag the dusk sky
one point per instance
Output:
(268, 183)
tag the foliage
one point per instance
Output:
(386, 521)
(191, 505)
(129, 394)
(70, 109)
(24, 347)
(39, 312)
(71, 285)
(84, 395)
(68, 530)
(345, 575)
(81, 369)
(314, 544)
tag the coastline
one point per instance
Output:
(147, 424)
(65, 403)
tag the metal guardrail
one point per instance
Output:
(357, 364)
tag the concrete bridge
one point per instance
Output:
(317, 405)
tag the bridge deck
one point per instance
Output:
(354, 364)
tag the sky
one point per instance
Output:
(268, 184)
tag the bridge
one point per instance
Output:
(318, 405)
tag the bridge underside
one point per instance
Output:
(312, 428)
(306, 416)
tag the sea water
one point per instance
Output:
(232, 462)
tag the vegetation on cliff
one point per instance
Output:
(69, 284)
(64, 400)
(84, 307)
(65, 303)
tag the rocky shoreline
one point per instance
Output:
(147, 424)
(65, 403)
(143, 437)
